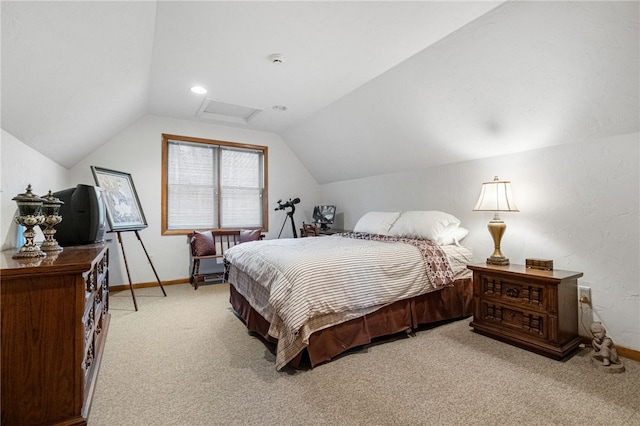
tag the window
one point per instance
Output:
(208, 184)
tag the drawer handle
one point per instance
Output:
(512, 292)
(512, 315)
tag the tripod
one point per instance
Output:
(293, 223)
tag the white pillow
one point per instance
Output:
(424, 225)
(376, 222)
(453, 237)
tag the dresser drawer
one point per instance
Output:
(88, 362)
(89, 322)
(529, 295)
(512, 317)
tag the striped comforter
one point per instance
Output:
(306, 284)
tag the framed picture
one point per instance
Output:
(124, 211)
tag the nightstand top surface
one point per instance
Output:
(556, 274)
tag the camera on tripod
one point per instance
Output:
(290, 203)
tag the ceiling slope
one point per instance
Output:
(331, 48)
(370, 87)
(523, 76)
(74, 74)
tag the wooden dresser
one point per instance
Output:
(55, 316)
(530, 308)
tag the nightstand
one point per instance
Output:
(530, 308)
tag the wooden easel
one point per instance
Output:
(133, 295)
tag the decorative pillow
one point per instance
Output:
(453, 237)
(376, 222)
(425, 225)
(203, 244)
(249, 235)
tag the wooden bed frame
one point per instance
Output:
(448, 303)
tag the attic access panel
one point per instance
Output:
(229, 113)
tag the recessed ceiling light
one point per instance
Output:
(279, 108)
(199, 90)
(277, 58)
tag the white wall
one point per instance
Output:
(22, 165)
(578, 206)
(138, 151)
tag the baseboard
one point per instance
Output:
(622, 351)
(147, 284)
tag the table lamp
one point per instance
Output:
(495, 196)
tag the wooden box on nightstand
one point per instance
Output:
(530, 308)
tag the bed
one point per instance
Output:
(315, 298)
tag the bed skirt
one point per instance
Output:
(448, 303)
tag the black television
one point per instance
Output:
(324, 215)
(83, 216)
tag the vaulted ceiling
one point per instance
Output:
(394, 85)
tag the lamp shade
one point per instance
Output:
(495, 196)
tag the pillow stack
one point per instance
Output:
(376, 222)
(440, 227)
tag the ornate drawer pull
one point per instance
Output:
(512, 292)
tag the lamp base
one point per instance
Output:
(496, 229)
(502, 261)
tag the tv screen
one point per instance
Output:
(83, 216)
(324, 215)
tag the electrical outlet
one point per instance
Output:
(584, 295)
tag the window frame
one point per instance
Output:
(164, 190)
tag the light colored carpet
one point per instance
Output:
(187, 360)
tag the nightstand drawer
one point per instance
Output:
(510, 317)
(530, 295)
